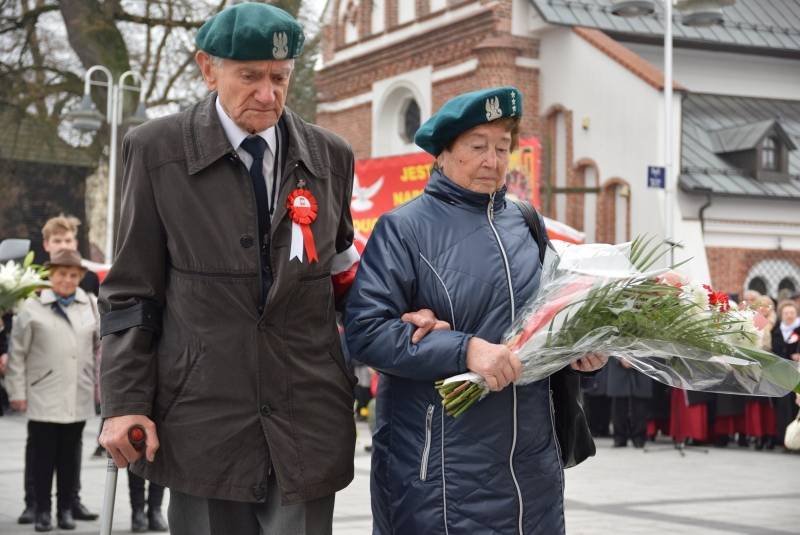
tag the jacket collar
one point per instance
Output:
(448, 191)
(48, 296)
(236, 134)
(205, 140)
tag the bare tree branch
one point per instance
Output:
(38, 60)
(148, 40)
(159, 51)
(9, 24)
(177, 74)
(156, 21)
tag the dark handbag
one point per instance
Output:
(572, 430)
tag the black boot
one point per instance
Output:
(156, 520)
(65, 520)
(139, 521)
(80, 512)
(43, 522)
(28, 516)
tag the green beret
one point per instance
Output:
(251, 31)
(466, 111)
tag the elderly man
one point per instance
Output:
(219, 333)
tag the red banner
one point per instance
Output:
(381, 184)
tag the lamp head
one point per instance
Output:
(85, 117)
(702, 13)
(139, 116)
(633, 8)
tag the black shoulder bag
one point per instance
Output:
(572, 430)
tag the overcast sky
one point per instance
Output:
(316, 6)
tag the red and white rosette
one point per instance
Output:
(303, 209)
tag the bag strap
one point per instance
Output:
(535, 226)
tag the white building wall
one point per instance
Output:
(746, 222)
(624, 113)
(725, 73)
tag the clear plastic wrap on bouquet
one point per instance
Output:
(593, 299)
(608, 299)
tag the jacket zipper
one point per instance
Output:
(446, 292)
(555, 436)
(506, 265)
(426, 450)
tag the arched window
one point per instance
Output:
(348, 19)
(378, 16)
(788, 285)
(758, 284)
(436, 5)
(406, 11)
(622, 198)
(614, 209)
(409, 120)
(588, 178)
(556, 163)
(777, 278)
(396, 118)
(559, 166)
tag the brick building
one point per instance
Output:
(593, 86)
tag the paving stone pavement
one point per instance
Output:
(620, 491)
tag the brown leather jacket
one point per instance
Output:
(231, 391)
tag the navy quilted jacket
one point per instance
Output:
(471, 259)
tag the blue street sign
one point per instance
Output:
(655, 176)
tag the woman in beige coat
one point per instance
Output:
(51, 373)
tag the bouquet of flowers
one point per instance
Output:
(18, 281)
(609, 299)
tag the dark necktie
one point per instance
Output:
(255, 146)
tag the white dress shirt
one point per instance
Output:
(236, 135)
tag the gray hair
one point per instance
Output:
(217, 61)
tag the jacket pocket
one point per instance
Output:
(426, 448)
(311, 277)
(42, 378)
(194, 353)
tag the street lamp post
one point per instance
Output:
(697, 13)
(86, 118)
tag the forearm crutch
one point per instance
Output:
(137, 438)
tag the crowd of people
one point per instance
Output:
(49, 365)
(631, 408)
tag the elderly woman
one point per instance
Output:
(51, 376)
(464, 252)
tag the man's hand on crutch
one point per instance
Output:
(114, 438)
(130, 448)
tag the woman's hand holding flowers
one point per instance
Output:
(498, 366)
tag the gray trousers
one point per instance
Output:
(190, 515)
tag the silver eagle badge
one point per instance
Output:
(493, 110)
(280, 45)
